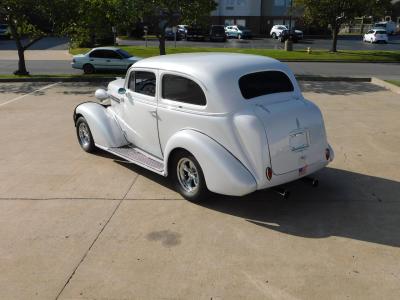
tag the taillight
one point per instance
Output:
(327, 154)
(268, 173)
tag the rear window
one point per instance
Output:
(264, 83)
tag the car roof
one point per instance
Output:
(207, 63)
(106, 48)
(217, 72)
(378, 29)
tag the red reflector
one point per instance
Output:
(268, 173)
(327, 154)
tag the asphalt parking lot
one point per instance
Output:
(81, 226)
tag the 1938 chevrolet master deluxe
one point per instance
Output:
(226, 123)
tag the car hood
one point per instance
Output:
(78, 56)
(114, 86)
(134, 58)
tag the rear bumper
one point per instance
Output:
(295, 175)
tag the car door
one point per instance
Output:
(97, 59)
(114, 61)
(138, 112)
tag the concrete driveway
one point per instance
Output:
(80, 226)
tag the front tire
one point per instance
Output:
(188, 177)
(273, 35)
(84, 135)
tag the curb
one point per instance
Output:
(111, 78)
(389, 86)
(331, 78)
(341, 61)
(59, 79)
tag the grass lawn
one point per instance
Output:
(395, 82)
(316, 55)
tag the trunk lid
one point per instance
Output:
(295, 132)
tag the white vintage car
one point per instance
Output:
(226, 123)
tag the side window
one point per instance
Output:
(143, 82)
(96, 54)
(111, 54)
(181, 89)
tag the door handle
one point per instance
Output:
(92, 59)
(107, 60)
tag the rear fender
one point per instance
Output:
(224, 174)
(103, 126)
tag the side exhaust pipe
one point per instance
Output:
(310, 180)
(282, 192)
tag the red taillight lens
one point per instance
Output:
(327, 154)
(268, 173)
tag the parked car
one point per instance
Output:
(238, 32)
(103, 58)
(286, 34)
(217, 33)
(183, 30)
(220, 122)
(170, 34)
(388, 26)
(5, 31)
(276, 31)
(195, 33)
(376, 36)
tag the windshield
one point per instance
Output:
(241, 27)
(381, 32)
(123, 53)
(3, 26)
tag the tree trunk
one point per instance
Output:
(21, 51)
(21, 60)
(335, 34)
(162, 43)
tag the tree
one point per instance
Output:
(337, 12)
(161, 14)
(331, 12)
(93, 20)
(32, 19)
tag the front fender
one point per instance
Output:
(104, 128)
(224, 174)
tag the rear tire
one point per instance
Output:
(88, 69)
(84, 135)
(188, 177)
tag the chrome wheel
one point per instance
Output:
(188, 175)
(84, 135)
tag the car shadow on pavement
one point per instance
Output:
(345, 204)
(339, 87)
(22, 88)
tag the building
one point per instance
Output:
(257, 15)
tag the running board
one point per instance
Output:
(139, 157)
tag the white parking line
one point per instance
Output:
(20, 97)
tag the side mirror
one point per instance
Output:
(101, 94)
(121, 91)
